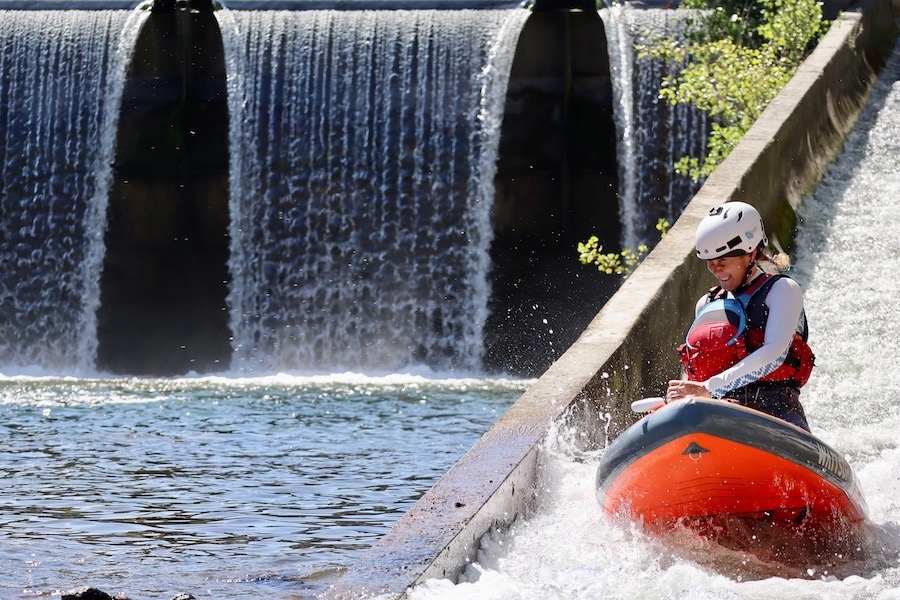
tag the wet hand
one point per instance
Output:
(679, 389)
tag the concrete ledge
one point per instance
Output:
(627, 351)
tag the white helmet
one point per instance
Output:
(730, 229)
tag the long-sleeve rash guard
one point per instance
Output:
(785, 304)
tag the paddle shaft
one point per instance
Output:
(648, 404)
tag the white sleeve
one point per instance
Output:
(785, 303)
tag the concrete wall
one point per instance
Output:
(627, 350)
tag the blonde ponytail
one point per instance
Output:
(781, 261)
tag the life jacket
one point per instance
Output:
(728, 329)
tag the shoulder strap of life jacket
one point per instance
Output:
(763, 284)
(715, 293)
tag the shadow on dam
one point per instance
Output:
(164, 281)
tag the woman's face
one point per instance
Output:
(730, 271)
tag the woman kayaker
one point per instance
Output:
(748, 341)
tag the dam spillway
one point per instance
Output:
(177, 271)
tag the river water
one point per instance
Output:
(847, 265)
(223, 487)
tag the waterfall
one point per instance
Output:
(618, 42)
(363, 149)
(652, 135)
(61, 78)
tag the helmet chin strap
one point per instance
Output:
(750, 267)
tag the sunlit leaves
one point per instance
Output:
(616, 263)
(733, 66)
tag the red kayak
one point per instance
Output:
(730, 472)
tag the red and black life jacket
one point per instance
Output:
(728, 329)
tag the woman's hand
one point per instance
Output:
(679, 389)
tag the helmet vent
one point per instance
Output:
(724, 211)
(735, 241)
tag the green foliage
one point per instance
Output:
(736, 58)
(751, 23)
(618, 263)
(735, 20)
(791, 26)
